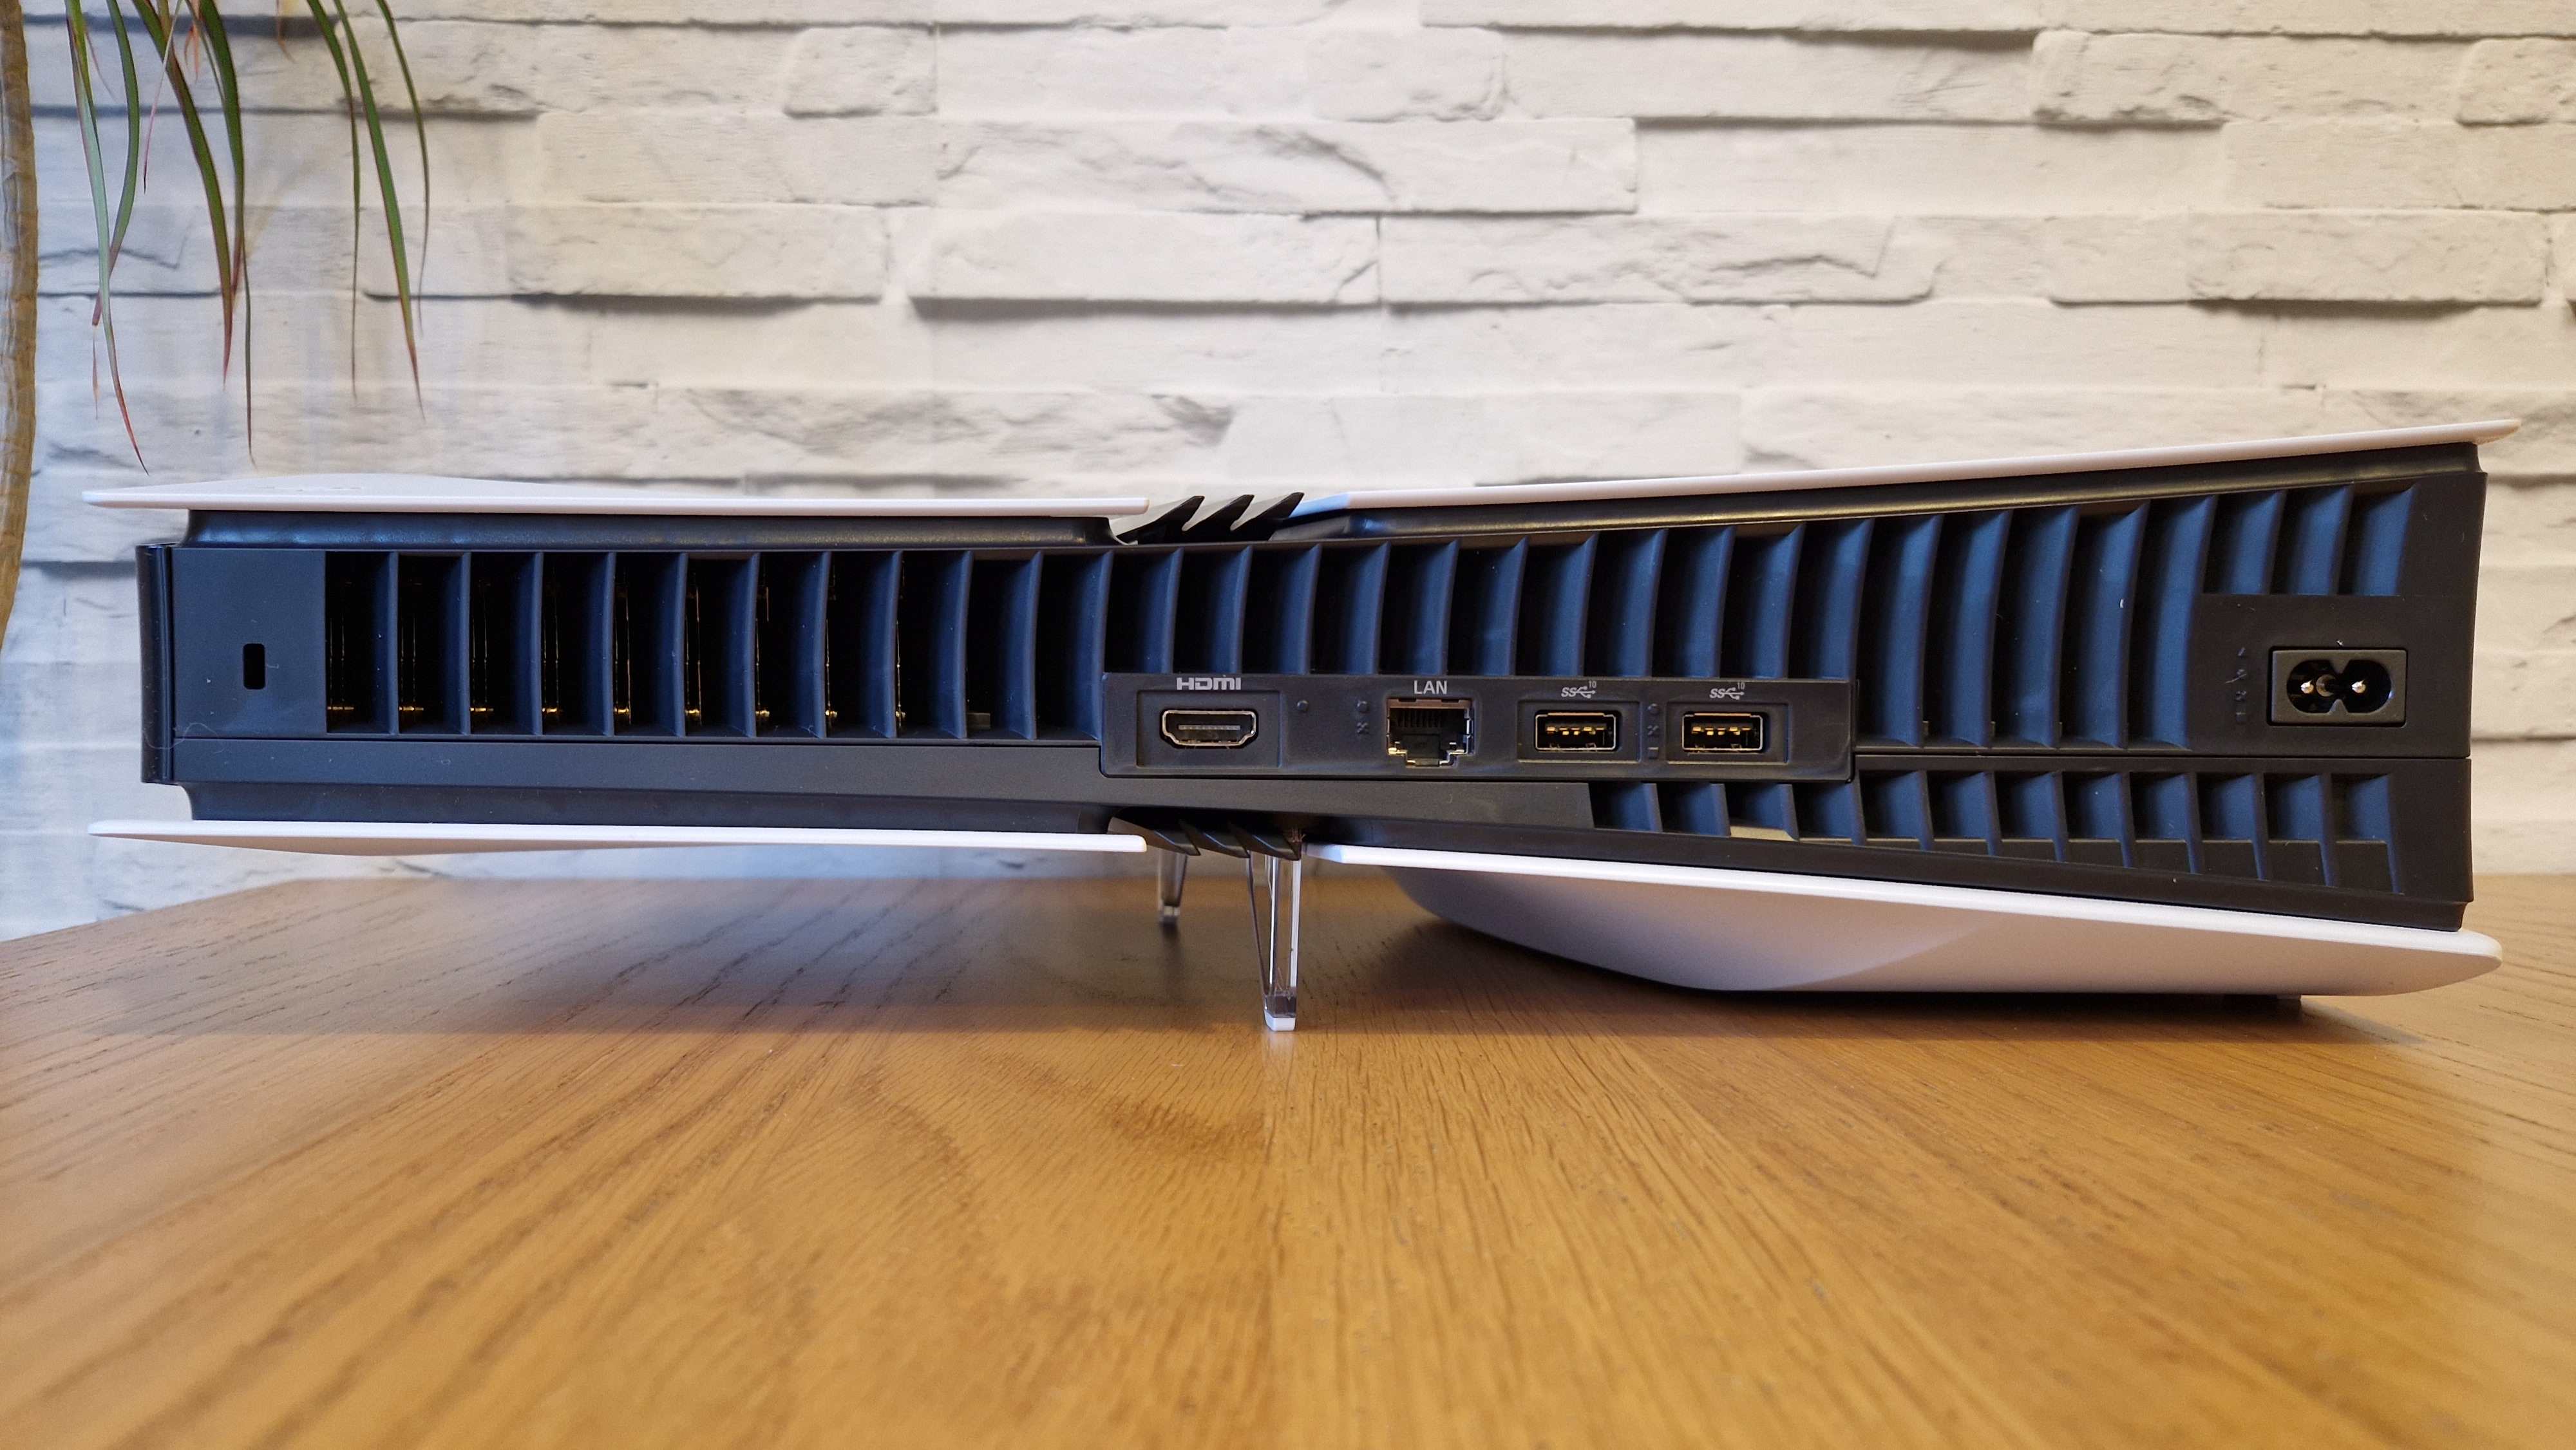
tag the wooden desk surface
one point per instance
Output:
(943, 1163)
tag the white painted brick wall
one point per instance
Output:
(1182, 245)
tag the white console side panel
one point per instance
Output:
(1597, 491)
(419, 838)
(1764, 931)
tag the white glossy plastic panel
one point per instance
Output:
(421, 838)
(399, 493)
(421, 493)
(1763, 931)
(1724, 483)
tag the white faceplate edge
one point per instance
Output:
(414, 838)
(2486, 431)
(1944, 898)
(402, 493)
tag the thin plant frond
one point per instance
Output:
(420, 134)
(190, 38)
(218, 45)
(134, 137)
(160, 25)
(357, 171)
(85, 105)
(385, 189)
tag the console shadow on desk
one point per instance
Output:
(585, 1163)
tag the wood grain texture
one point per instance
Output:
(973, 1163)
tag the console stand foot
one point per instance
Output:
(1171, 873)
(1276, 885)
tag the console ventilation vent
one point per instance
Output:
(2304, 829)
(2034, 627)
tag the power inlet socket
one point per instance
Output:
(2337, 686)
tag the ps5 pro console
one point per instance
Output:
(2187, 719)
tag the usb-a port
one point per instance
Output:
(1731, 732)
(1577, 732)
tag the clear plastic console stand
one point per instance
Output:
(1277, 887)
(1171, 873)
(1274, 876)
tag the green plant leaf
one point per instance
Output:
(133, 186)
(360, 91)
(219, 46)
(357, 172)
(160, 24)
(366, 94)
(420, 134)
(85, 105)
(184, 35)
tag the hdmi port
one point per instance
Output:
(1579, 732)
(1210, 729)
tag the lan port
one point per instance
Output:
(1429, 732)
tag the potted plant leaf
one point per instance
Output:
(135, 63)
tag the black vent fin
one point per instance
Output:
(651, 612)
(2363, 834)
(2030, 633)
(1765, 809)
(1890, 698)
(1167, 526)
(2312, 552)
(1265, 518)
(1896, 808)
(1967, 583)
(2101, 592)
(717, 645)
(1484, 616)
(1555, 589)
(790, 640)
(576, 609)
(2231, 825)
(862, 645)
(2098, 826)
(503, 644)
(2294, 822)
(1623, 805)
(1627, 573)
(1825, 639)
(358, 648)
(1073, 616)
(1144, 598)
(2378, 541)
(1964, 810)
(1208, 622)
(1002, 649)
(1761, 601)
(2172, 562)
(1414, 633)
(1695, 807)
(430, 643)
(1279, 611)
(1691, 616)
(2167, 817)
(2031, 816)
(1349, 598)
(1218, 522)
(930, 621)
(1828, 810)
(2240, 555)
